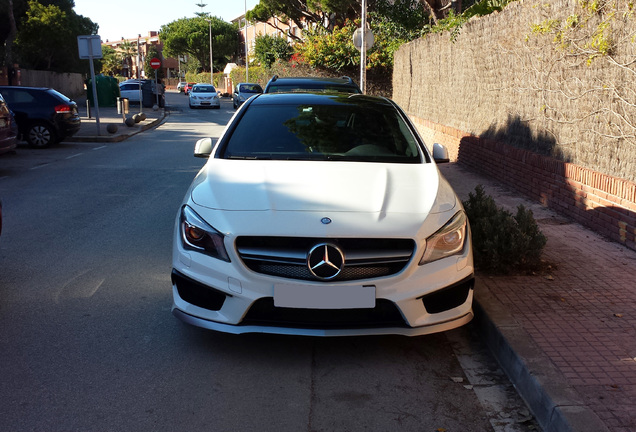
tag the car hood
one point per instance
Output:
(285, 186)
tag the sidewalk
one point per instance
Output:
(108, 115)
(566, 339)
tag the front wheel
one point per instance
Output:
(40, 135)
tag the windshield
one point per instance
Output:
(360, 132)
(250, 88)
(204, 89)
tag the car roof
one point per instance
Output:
(25, 88)
(312, 82)
(332, 98)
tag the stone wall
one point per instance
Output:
(531, 96)
(69, 84)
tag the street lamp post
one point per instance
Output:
(363, 50)
(211, 61)
(247, 70)
(141, 105)
(209, 20)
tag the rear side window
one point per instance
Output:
(58, 95)
(129, 87)
(17, 96)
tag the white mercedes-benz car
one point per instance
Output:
(324, 215)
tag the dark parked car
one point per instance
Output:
(8, 128)
(44, 116)
(244, 91)
(314, 84)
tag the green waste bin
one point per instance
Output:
(107, 91)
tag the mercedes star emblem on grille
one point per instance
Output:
(325, 261)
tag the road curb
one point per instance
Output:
(143, 126)
(556, 405)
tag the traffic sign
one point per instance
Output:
(368, 39)
(89, 46)
(155, 63)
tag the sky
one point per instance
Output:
(125, 18)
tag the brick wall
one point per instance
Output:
(599, 201)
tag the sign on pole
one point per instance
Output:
(90, 47)
(155, 63)
(369, 39)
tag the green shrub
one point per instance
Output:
(503, 242)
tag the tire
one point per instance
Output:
(40, 135)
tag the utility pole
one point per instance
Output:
(209, 20)
(247, 69)
(363, 50)
(141, 100)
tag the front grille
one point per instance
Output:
(384, 314)
(286, 257)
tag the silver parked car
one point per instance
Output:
(204, 95)
(244, 91)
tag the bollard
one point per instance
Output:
(88, 108)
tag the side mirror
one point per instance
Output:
(440, 153)
(203, 148)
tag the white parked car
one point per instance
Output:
(325, 215)
(204, 95)
(181, 86)
(130, 90)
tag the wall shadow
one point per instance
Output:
(531, 164)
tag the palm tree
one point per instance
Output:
(128, 50)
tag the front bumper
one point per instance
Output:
(242, 329)
(214, 103)
(416, 302)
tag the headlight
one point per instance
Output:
(448, 241)
(198, 235)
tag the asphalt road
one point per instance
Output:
(88, 343)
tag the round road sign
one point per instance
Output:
(368, 39)
(155, 63)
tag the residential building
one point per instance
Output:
(133, 67)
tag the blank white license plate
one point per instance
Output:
(324, 297)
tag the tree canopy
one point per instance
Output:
(46, 36)
(303, 13)
(190, 36)
(268, 49)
